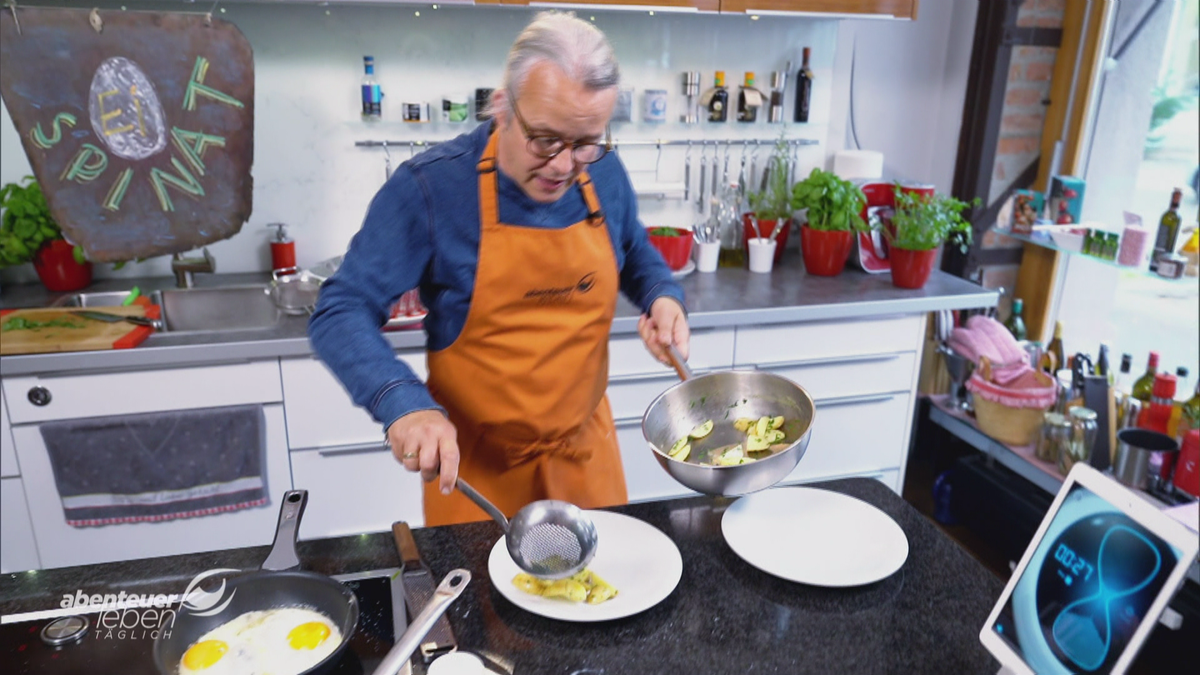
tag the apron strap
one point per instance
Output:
(595, 213)
(489, 203)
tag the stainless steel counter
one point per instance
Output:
(729, 297)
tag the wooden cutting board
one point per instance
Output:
(81, 334)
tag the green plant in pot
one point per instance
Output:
(920, 224)
(28, 233)
(771, 208)
(834, 214)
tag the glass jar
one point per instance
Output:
(1056, 434)
(727, 218)
(1083, 439)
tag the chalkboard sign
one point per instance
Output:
(139, 125)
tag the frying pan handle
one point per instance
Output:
(482, 502)
(681, 366)
(447, 591)
(283, 551)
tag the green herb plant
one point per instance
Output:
(774, 202)
(922, 223)
(834, 204)
(665, 232)
(27, 224)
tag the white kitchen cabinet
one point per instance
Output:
(18, 549)
(8, 455)
(140, 391)
(320, 413)
(351, 491)
(860, 435)
(635, 380)
(61, 545)
(844, 340)
(69, 397)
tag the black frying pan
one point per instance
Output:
(280, 583)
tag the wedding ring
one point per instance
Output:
(410, 455)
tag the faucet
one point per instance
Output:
(184, 268)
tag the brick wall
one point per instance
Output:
(1021, 127)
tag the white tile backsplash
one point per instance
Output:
(308, 63)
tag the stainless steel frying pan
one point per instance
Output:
(723, 397)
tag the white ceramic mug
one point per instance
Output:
(707, 254)
(762, 254)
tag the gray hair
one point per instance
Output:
(574, 45)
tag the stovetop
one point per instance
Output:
(129, 651)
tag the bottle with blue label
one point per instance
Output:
(372, 96)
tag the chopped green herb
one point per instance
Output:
(21, 323)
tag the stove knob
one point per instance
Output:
(65, 630)
(39, 396)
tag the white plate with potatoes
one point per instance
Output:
(640, 563)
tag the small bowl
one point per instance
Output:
(675, 250)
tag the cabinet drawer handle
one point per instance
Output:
(627, 422)
(357, 449)
(854, 400)
(864, 358)
(39, 396)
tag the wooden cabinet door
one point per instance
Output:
(899, 9)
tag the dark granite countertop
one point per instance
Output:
(728, 297)
(724, 617)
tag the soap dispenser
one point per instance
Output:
(283, 249)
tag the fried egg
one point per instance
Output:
(282, 641)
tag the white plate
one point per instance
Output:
(815, 537)
(685, 270)
(637, 558)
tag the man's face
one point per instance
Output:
(551, 104)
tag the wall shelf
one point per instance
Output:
(1044, 240)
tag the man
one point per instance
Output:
(518, 235)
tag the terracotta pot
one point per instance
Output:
(675, 250)
(825, 253)
(911, 269)
(56, 267)
(767, 227)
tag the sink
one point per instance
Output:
(225, 308)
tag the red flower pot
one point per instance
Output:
(911, 269)
(56, 267)
(675, 250)
(766, 227)
(824, 252)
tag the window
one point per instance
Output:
(1144, 142)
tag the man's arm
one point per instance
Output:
(647, 282)
(386, 258)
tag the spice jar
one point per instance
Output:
(1056, 434)
(1083, 438)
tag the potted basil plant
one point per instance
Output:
(920, 225)
(771, 208)
(28, 233)
(834, 214)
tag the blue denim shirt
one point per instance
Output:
(422, 231)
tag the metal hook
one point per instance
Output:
(12, 7)
(657, 159)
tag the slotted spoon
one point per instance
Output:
(549, 539)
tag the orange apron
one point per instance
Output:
(524, 382)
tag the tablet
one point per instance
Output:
(1092, 583)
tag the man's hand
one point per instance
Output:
(426, 441)
(664, 325)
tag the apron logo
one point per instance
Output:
(562, 295)
(585, 284)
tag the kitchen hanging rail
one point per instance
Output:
(765, 143)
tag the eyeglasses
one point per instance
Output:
(548, 146)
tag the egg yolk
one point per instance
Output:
(308, 635)
(204, 654)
